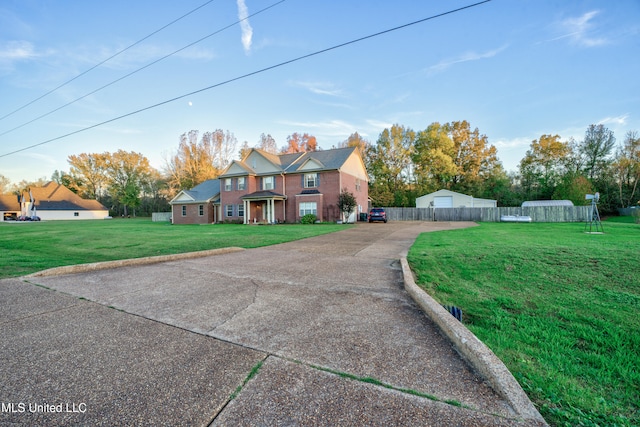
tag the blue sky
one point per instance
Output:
(514, 69)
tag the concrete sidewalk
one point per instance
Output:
(318, 331)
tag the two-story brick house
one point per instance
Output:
(270, 188)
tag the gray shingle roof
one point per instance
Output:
(205, 190)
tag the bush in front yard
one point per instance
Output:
(308, 219)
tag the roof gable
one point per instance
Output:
(54, 196)
(311, 164)
(201, 193)
(262, 162)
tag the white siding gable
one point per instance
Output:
(235, 169)
(260, 164)
(182, 197)
(354, 166)
(311, 164)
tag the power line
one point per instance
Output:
(106, 60)
(262, 70)
(139, 69)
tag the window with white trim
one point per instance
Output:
(310, 180)
(308, 208)
(201, 210)
(241, 183)
(227, 184)
(357, 184)
(228, 210)
(268, 182)
(241, 210)
(184, 210)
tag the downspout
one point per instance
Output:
(284, 201)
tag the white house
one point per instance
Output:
(50, 202)
(451, 199)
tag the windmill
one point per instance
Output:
(594, 221)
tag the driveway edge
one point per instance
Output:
(486, 363)
(95, 266)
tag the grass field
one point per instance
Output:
(558, 306)
(27, 247)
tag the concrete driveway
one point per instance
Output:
(314, 332)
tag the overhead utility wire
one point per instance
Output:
(106, 60)
(139, 69)
(262, 70)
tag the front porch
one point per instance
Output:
(264, 207)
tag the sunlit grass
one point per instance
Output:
(32, 246)
(558, 306)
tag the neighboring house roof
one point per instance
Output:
(532, 203)
(333, 159)
(9, 202)
(56, 197)
(204, 192)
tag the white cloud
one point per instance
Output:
(466, 57)
(319, 88)
(579, 30)
(247, 31)
(16, 50)
(619, 120)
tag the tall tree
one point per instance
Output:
(5, 183)
(192, 163)
(244, 150)
(356, 140)
(474, 157)
(297, 143)
(268, 144)
(626, 166)
(433, 159)
(595, 149)
(128, 171)
(89, 172)
(390, 167)
(222, 146)
(543, 166)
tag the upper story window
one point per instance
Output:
(227, 184)
(242, 183)
(268, 182)
(357, 184)
(310, 180)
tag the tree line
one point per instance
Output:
(402, 164)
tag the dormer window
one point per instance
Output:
(310, 180)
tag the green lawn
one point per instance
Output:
(560, 307)
(27, 247)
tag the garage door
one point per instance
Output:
(443, 201)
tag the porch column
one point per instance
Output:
(246, 211)
(272, 208)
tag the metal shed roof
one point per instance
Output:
(533, 203)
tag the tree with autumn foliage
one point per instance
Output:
(297, 143)
(543, 166)
(89, 177)
(198, 159)
(390, 168)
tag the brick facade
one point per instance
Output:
(291, 191)
(193, 213)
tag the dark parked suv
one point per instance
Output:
(377, 214)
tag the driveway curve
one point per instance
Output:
(317, 331)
